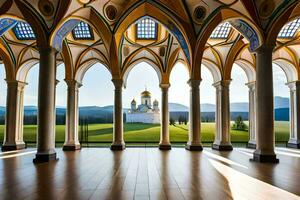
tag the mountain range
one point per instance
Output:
(281, 105)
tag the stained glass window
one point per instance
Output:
(221, 31)
(82, 32)
(23, 31)
(289, 30)
(146, 29)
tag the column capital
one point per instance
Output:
(45, 49)
(73, 83)
(251, 85)
(164, 85)
(194, 82)
(293, 85)
(265, 48)
(118, 83)
(16, 83)
(222, 84)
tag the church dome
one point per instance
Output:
(146, 94)
(133, 101)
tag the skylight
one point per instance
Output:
(82, 32)
(289, 30)
(221, 31)
(146, 29)
(23, 31)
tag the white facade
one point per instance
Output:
(144, 113)
(148, 118)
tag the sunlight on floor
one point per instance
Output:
(242, 185)
(220, 158)
(17, 154)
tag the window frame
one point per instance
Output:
(21, 33)
(144, 38)
(83, 38)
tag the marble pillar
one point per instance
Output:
(252, 118)
(13, 136)
(222, 136)
(118, 140)
(265, 142)
(46, 106)
(194, 143)
(72, 117)
(164, 143)
(294, 141)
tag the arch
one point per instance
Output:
(186, 66)
(214, 69)
(165, 18)
(8, 61)
(136, 62)
(24, 68)
(248, 68)
(289, 69)
(84, 67)
(279, 20)
(225, 14)
(69, 23)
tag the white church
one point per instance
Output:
(144, 113)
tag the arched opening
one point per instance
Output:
(60, 104)
(209, 74)
(142, 121)
(179, 102)
(3, 91)
(241, 110)
(282, 76)
(95, 104)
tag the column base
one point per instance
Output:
(164, 146)
(264, 158)
(41, 158)
(193, 147)
(293, 144)
(12, 147)
(71, 147)
(117, 147)
(251, 145)
(222, 147)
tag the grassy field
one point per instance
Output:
(150, 133)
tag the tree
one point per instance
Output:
(185, 121)
(239, 124)
(172, 121)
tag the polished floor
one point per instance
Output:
(148, 173)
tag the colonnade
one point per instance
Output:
(261, 113)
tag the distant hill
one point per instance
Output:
(176, 107)
(281, 105)
(281, 102)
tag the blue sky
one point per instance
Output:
(98, 89)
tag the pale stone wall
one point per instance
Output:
(149, 118)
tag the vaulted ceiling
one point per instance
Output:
(187, 31)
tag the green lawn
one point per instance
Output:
(150, 133)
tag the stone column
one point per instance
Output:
(252, 118)
(164, 143)
(265, 142)
(46, 106)
(72, 115)
(222, 137)
(118, 141)
(294, 141)
(13, 137)
(194, 143)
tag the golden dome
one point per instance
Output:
(146, 94)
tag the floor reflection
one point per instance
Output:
(148, 173)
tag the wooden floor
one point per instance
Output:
(148, 173)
